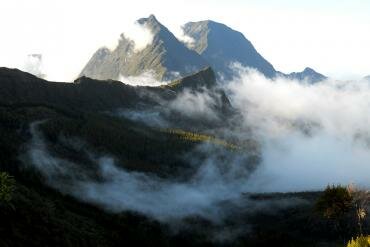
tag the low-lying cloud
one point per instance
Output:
(195, 105)
(220, 177)
(145, 79)
(311, 134)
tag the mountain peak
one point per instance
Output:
(221, 46)
(309, 70)
(150, 19)
(152, 23)
(205, 23)
(165, 56)
(308, 74)
(203, 78)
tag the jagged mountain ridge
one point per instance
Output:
(167, 57)
(222, 46)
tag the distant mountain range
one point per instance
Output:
(213, 44)
(367, 78)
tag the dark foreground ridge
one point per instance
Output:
(39, 213)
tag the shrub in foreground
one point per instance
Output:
(362, 241)
(7, 184)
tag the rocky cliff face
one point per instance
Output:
(165, 56)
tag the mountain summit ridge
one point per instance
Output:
(166, 56)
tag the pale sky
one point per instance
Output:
(331, 36)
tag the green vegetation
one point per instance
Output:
(172, 84)
(195, 137)
(335, 202)
(7, 186)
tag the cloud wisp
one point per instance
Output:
(139, 34)
(145, 79)
(34, 65)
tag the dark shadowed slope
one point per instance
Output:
(94, 95)
(17, 87)
(166, 57)
(89, 95)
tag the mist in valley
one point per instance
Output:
(306, 140)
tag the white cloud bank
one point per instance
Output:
(312, 135)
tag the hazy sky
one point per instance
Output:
(332, 36)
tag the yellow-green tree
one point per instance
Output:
(362, 241)
(335, 204)
(361, 199)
